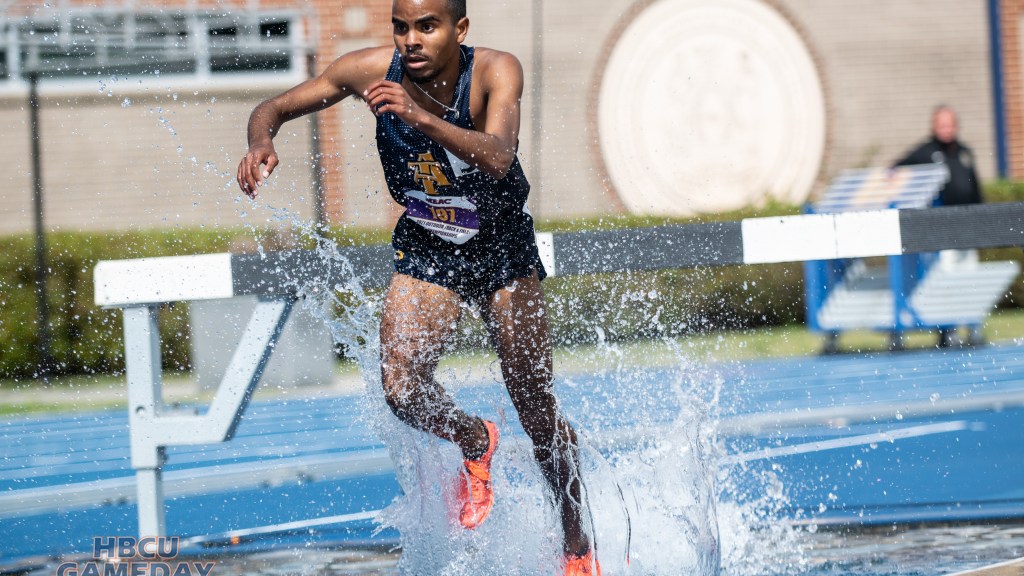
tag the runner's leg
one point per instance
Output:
(417, 320)
(517, 322)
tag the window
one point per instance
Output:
(265, 45)
(119, 41)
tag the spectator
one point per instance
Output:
(943, 147)
(962, 187)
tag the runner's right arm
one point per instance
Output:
(347, 75)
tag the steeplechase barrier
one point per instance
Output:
(140, 287)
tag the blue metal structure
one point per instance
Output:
(898, 292)
(995, 31)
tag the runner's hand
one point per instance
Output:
(257, 165)
(385, 96)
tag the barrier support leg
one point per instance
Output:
(145, 399)
(150, 486)
(151, 429)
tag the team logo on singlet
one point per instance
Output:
(428, 173)
(451, 218)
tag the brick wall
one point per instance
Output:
(887, 64)
(1012, 12)
(884, 65)
(16, 177)
(367, 22)
(138, 160)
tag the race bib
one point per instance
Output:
(452, 218)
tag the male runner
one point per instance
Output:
(447, 131)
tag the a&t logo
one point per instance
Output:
(427, 172)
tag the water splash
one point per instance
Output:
(658, 500)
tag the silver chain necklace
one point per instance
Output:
(454, 109)
(449, 109)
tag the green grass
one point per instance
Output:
(61, 382)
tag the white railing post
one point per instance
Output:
(145, 400)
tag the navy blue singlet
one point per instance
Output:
(461, 229)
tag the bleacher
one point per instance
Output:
(905, 291)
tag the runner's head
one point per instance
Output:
(427, 34)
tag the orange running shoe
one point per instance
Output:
(475, 495)
(585, 565)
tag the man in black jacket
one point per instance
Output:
(962, 187)
(943, 147)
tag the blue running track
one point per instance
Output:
(909, 437)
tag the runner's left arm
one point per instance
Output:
(492, 147)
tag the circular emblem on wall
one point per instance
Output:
(710, 106)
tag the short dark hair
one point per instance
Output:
(457, 8)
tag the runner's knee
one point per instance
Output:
(398, 378)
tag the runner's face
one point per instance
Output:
(426, 37)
